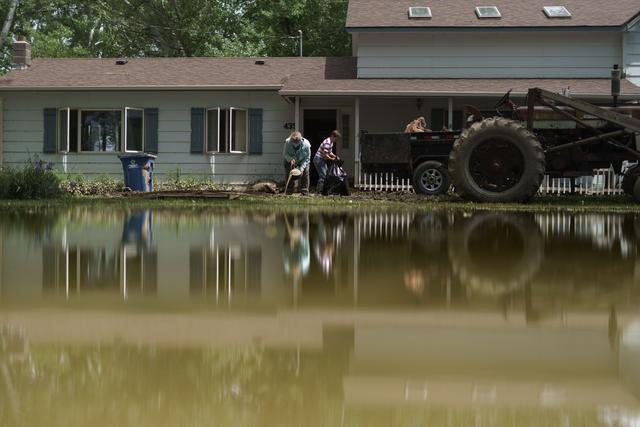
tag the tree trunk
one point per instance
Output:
(8, 21)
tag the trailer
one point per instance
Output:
(420, 157)
(504, 159)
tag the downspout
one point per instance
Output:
(356, 145)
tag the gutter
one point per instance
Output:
(632, 22)
(611, 29)
(134, 88)
(414, 94)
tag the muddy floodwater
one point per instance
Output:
(248, 317)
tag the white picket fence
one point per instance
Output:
(602, 182)
(384, 182)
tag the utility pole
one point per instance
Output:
(300, 36)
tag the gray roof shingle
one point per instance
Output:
(291, 76)
(515, 13)
(158, 73)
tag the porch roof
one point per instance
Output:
(338, 77)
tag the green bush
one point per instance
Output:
(176, 181)
(35, 180)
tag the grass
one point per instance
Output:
(358, 200)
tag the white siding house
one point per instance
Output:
(631, 49)
(226, 118)
(24, 129)
(488, 54)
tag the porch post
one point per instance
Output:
(450, 121)
(297, 113)
(356, 146)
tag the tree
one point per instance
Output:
(8, 21)
(139, 28)
(322, 23)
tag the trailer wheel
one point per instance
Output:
(431, 178)
(497, 160)
(629, 179)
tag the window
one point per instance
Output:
(100, 131)
(134, 129)
(556, 12)
(227, 130)
(419, 12)
(68, 130)
(238, 134)
(485, 12)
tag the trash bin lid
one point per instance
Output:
(137, 156)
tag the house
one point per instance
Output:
(226, 118)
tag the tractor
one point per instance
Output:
(505, 158)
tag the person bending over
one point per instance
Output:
(297, 154)
(323, 156)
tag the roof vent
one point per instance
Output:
(488, 12)
(260, 62)
(420, 12)
(556, 12)
(121, 62)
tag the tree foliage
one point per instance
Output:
(138, 28)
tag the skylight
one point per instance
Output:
(556, 12)
(419, 12)
(485, 12)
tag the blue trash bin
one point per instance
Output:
(138, 171)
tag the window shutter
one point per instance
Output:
(64, 130)
(255, 131)
(197, 130)
(50, 119)
(151, 130)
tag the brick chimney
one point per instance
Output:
(21, 54)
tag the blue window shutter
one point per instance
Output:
(151, 130)
(50, 130)
(255, 130)
(197, 130)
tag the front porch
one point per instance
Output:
(316, 116)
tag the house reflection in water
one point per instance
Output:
(537, 264)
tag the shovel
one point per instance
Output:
(294, 172)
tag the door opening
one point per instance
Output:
(317, 126)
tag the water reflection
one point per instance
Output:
(250, 317)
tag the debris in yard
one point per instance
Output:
(270, 187)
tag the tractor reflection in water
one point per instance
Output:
(507, 259)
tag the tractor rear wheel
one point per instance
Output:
(497, 160)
